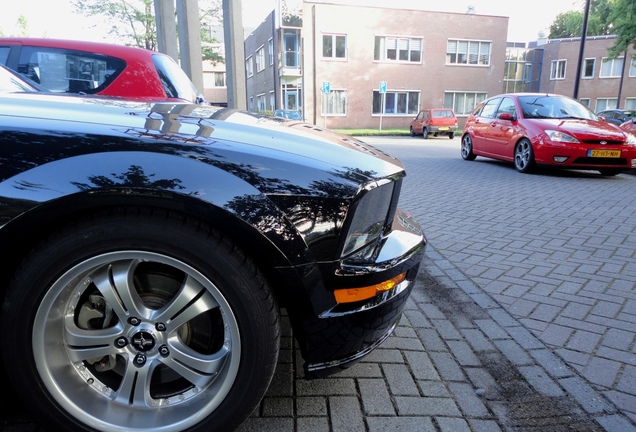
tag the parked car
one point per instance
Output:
(617, 116)
(68, 66)
(436, 121)
(152, 246)
(12, 82)
(629, 126)
(288, 114)
(546, 129)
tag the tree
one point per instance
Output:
(570, 24)
(133, 22)
(622, 17)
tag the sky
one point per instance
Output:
(526, 19)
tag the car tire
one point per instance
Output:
(140, 320)
(467, 148)
(425, 133)
(524, 156)
(412, 132)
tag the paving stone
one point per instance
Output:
(421, 365)
(311, 406)
(447, 367)
(426, 406)
(376, 399)
(400, 380)
(471, 405)
(311, 424)
(449, 424)
(346, 414)
(400, 424)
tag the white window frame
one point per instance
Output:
(630, 103)
(632, 68)
(334, 44)
(462, 102)
(593, 74)
(329, 101)
(409, 46)
(615, 67)
(270, 49)
(465, 52)
(558, 69)
(397, 98)
(249, 67)
(607, 103)
(260, 59)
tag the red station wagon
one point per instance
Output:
(68, 66)
(436, 121)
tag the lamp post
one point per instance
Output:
(581, 50)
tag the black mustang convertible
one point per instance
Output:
(149, 249)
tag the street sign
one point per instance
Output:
(382, 86)
(326, 87)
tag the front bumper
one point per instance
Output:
(339, 335)
(579, 156)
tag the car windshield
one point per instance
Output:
(10, 83)
(554, 107)
(175, 81)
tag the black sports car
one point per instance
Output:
(150, 247)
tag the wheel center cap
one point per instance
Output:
(143, 341)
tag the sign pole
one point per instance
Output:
(382, 90)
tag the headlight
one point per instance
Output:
(558, 136)
(631, 139)
(370, 218)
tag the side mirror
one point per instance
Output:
(507, 116)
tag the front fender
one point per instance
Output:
(181, 183)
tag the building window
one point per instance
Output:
(270, 48)
(272, 101)
(396, 103)
(468, 52)
(632, 68)
(261, 100)
(630, 104)
(249, 69)
(603, 104)
(585, 101)
(260, 59)
(251, 103)
(219, 79)
(334, 103)
(589, 68)
(398, 49)
(557, 69)
(611, 68)
(463, 103)
(334, 46)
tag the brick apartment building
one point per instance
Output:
(425, 58)
(381, 65)
(600, 77)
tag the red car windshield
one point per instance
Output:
(554, 107)
(175, 81)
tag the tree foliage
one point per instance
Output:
(623, 17)
(133, 22)
(570, 24)
(606, 17)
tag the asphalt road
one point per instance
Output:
(523, 317)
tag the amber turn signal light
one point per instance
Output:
(351, 295)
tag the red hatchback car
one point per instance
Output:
(436, 121)
(67, 66)
(545, 129)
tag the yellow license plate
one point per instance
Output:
(604, 153)
(444, 128)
